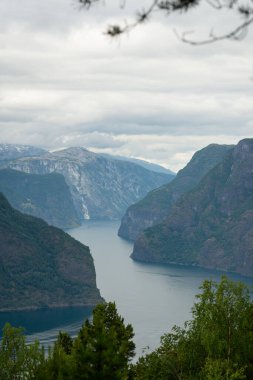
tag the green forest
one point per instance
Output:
(215, 344)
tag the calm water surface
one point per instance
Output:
(152, 298)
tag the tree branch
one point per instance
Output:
(142, 16)
(170, 6)
(236, 34)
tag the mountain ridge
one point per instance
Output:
(154, 208)
(212, 225)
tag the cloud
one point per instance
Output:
(93, 141)
(147, 95)
(170, 151)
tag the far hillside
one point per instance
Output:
(45, 196)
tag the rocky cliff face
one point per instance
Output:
(41, 266)
(211, 226)
(101, 188)
(155, 207)
(45, 196)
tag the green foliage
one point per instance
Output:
(102, 350)
(65, 341)
(58, 365)
(216, 344)
(104, 346)
(223, 317)
(18, 360)
(222, 369)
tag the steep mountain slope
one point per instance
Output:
(11, 151)
(41, 266)
(155, 207)
(212, 226)
(101, 188)
(45, 196)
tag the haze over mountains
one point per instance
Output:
(212, 225)
(100, 187)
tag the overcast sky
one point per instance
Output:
(148, 95)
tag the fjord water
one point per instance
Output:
(151, 297)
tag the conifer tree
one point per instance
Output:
(104, 346)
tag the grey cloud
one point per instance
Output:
(42, 15)
(63, 83)
(94, 140)
(7, 117)
(175, 124)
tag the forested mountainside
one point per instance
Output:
(155, 207)
(42, 266)
(211, 226)
(44, 196)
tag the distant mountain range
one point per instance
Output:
(42, 266)
(212, 225)
(155, 207)
(100, 187)
(11, 151)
